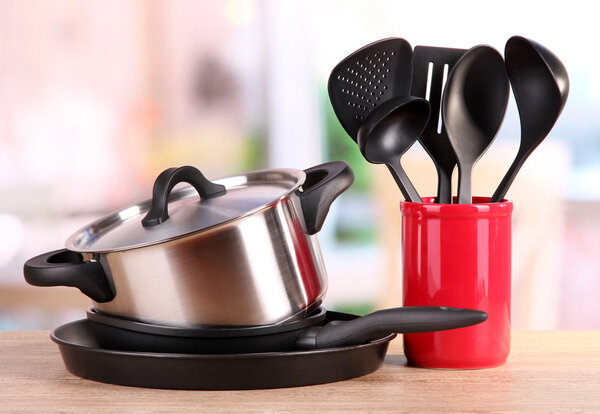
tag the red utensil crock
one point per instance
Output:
(458, 255)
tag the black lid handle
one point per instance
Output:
(169, 178)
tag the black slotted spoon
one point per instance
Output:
(431, 65)
(371, 75)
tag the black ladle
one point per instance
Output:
(389, 131)
(541, 86)
(473, 107)
(309, 333)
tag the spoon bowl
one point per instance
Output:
(389, 131)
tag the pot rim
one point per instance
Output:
(112, 220)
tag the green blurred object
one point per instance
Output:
(358, 235)
(254, 150)
(340, 146)
(356, 308)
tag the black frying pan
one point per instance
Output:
(84, 357)
(309, 333)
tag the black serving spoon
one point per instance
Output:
(473, 107)
(541, 86)
(389, 131)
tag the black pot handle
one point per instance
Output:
(66, 268)
(159, 209)
(323, 184)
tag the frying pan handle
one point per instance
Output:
(66, 268)
(412, 319)
(159, 209)
(324, 183)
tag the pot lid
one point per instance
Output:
(184, 211)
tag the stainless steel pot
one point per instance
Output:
(246, 253)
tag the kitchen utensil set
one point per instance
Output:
(203, 287)
(467, 94)
(228, 274)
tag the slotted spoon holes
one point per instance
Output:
(362, 82)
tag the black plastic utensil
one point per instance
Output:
(541, 86)
(431, 66)
(309, 333)
(389, 131)
(368, 77)
(473, 107)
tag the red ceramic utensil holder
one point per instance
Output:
(458, 255)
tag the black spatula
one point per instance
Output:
(371, 75)
(431, 66)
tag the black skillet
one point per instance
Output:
(86, 350)
(308, 333)
(83, 356)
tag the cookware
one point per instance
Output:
(244, 253)
(117, 333)
(473, 107)
(368, 77)
(541, 86)
(431, 66)
(84, 357)
(389, 131)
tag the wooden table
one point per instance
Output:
(548, 372)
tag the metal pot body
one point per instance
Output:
(218, 262)
(260, 269)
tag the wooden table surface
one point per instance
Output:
(548, 372)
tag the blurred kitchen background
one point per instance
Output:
(98, 97)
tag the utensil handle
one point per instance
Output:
(408, 190)
(444, 191)
(415, 319)
(464, 185)
(66, 268)
(159, 209)
(509, 177)
(323, 184)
